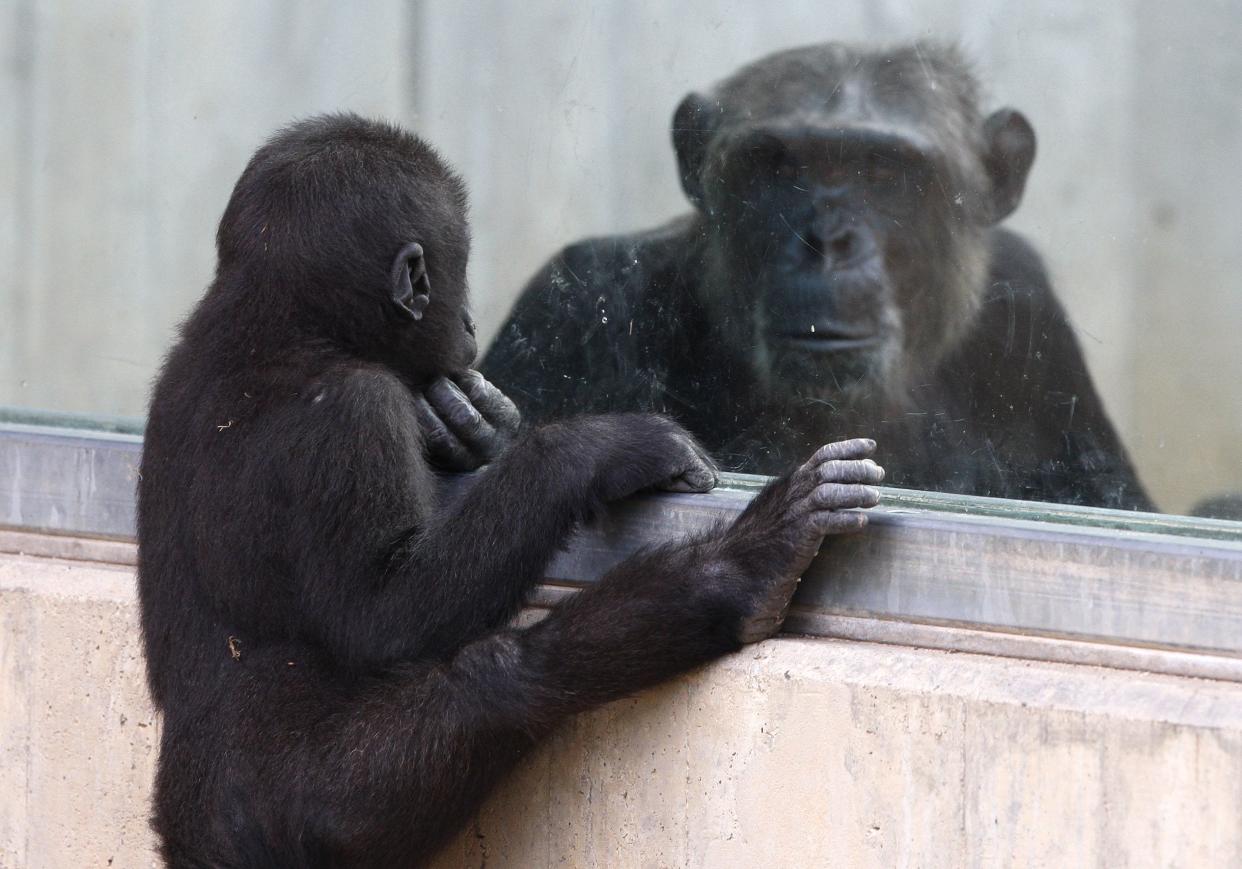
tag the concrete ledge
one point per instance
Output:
(829, 753)
(798, 752)
(78, 736)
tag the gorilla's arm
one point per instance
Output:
(1028, 366)
(443, 732)
(378, 585)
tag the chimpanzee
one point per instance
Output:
(842, 270)
(330, 644)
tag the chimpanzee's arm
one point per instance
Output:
(1029, 371)
(570, 346)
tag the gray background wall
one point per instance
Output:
(127, 123)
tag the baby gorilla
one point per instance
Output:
(328, 643)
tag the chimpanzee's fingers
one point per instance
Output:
(443, 447)
(461, 416)
(495, 406)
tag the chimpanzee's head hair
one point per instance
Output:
(847, 195)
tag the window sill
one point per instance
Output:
(932, 571)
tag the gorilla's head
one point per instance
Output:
(847, 196)
(357, 233)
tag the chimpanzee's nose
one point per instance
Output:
(840, 243)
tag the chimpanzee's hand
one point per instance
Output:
(775, 539)
(466, 421)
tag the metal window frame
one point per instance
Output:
(1145, 592)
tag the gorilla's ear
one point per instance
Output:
(411, 290)
(1008, 152)
(694, 124)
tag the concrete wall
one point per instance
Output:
(794, 753)
(78, 736)
(127, 123)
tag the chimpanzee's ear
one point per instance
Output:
(411, 290)
(694, 124)
(1008, 152)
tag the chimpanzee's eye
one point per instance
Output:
(885, 174)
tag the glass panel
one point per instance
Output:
(779, 249)
(97, 422)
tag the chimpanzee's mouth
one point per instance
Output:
(830, 341)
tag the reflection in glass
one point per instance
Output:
(129, 122)
(842, 273)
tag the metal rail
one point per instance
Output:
(982, 575)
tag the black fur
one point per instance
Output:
(844, 195)
(327, 643)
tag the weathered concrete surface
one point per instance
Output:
(794, 753)
(78, 737)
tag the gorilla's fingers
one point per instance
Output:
(454, 407)
(841, 496)
(697, 480)
(495, 406)
(703, 474)
(850, 471)
(758, 628)
(435, 435)
(699, 474)
(465, 420)
(834, 522)
(443, 447)
(858, 448)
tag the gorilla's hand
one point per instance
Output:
(696, 472)
(634, 452)
(775, 539)
(466, 421)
